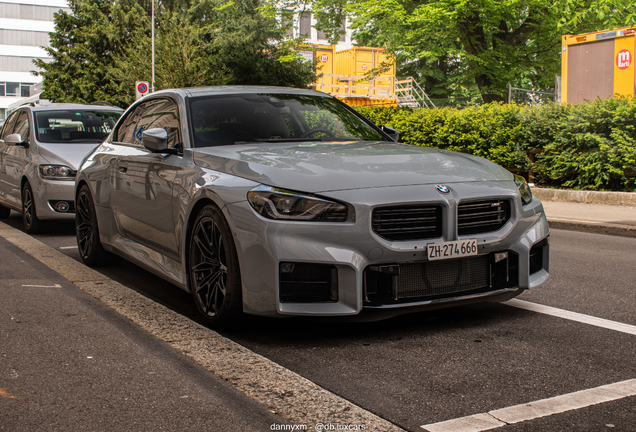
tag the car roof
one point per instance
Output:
(228, 90)
(72, 106)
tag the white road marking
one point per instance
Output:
(69, 247)
(573, 316)
(43, 286)
(541, 408)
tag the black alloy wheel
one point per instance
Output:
(215, 279)
(32, 223)
(87, 233)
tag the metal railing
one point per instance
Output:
(531, 97)
(410, 93)
(404, 92)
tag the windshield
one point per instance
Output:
(74, 126)
(249, 118)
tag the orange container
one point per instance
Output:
(598, 64)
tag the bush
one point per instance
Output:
(578, 146)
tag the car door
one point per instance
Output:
(141, 199)
(6, 130)
(15, 160)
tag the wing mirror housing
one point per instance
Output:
(392, 133)
(155, 140)
(15, 139)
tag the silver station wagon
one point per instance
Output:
(287, 202)
(41, 147)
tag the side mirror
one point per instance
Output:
(392, 133)
(155, 140)
(14, 139)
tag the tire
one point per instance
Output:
(89, 246)
(32, 224)
(213, 269)
(4, 212)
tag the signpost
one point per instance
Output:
(141, 89)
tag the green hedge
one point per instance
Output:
(577, 146)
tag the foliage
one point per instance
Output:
(579, 146)
(465, 48)
(84, 47)
(101, 48)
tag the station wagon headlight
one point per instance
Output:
(524, 189)
(281, 204)
(57, 172)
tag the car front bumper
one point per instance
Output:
(352, 249)
(48, 193)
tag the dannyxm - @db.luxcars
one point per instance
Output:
(287, 202)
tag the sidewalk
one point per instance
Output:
(68, 362)
(590, 211)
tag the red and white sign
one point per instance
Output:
(141, 89)
(364, 67)
(623, 59)
(324, 58)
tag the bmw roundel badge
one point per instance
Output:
(442, 189)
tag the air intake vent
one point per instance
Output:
(479, 217)
(414, 222)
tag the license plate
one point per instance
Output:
(453, 249)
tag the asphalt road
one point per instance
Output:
(431, 367)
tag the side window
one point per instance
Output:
(8, 125)
(22, 126)
(126, 132)
(159, 113)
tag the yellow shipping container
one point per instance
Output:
(598, 64)
(347, 74)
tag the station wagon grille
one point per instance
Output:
(478, 217)
(414, 222)
(445, 277)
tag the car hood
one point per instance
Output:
(321, 166)
(65, 154)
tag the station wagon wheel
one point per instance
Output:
(32, 224)
(215, 279)
(87, 233)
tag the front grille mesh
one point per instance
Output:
(414, 222)
(478, 217)
(442, 277)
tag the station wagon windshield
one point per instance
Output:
(252, 118)
(74, 126)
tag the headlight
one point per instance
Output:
(280, 204)
(524, 189)
(57, 172)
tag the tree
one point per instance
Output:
(467, 47)
(101, 48)
(83, 47)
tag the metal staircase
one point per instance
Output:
(410, 94)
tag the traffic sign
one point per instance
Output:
(141, 89)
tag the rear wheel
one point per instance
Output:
(87, 233)
(215, 278)
(4, 212)
(32, 224)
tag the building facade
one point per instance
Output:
(24, 31)
(303, 25)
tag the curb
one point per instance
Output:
(593, 227)
(587, 197)
(285, 393)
